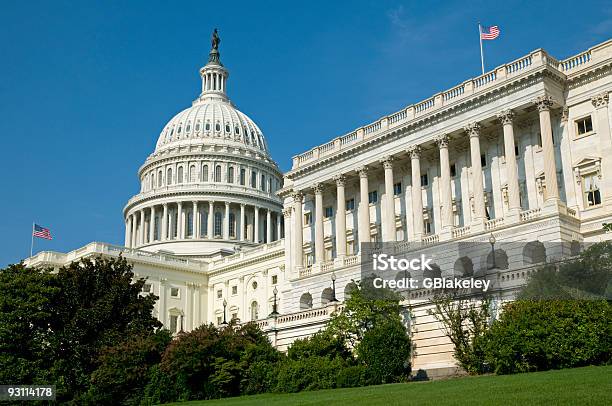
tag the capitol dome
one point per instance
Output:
(209, 187)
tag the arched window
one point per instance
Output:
(501, 260)
(218, 173)
(263, 182)
(232, 225)
(463, 267)
(217, 127)
(348, 290)
(237, 130)
(230, 175)
(204, 173)
(254, 311)
(152, 184)
(306, 301)
(179, 175)
(169, 177)
(242, 176)
(326, 296)
(227, 128)
(192, 174)
(159, 179)
(534, 252)
(207, 127)
(253, 179)
(189, 223)
(197, 126)
(218, 224)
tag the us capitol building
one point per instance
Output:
(522, 153)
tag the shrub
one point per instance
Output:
(351, 377)
(385, 351)
(550, 334)
(321, 344)
(309, 373)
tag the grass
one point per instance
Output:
(584, 386)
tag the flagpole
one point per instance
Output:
(481, 54)
(32, 245)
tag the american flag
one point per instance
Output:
(489, 32)
(41, 232)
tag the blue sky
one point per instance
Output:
(87, 86)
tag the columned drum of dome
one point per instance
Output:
(210, 185)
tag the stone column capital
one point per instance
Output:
(600, 100)
(387, 162)
(472, 129)
(363, 171)
(414, 151)
(543, 103)
(242, 205)
(564, 114)
(505, 116)
(340, 180)
(442, 140)
(318, 188)
(297, 196)
(287, 212)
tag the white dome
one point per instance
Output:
(211, 121)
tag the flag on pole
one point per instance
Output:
(489, 32)
(41, 232)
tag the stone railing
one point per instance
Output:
(494, 223)
(430, 239)
(249, 253)
(533, 61)
(530, 214)
(460, 231)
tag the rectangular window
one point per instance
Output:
(350, 204)
(373, 197)
(453, 170)
(234, 290)
(397, 189)
(329, 211)
(424, 180)
(253, 179)
(146, 288)
(584, 125)
(175, 292)
(427, 227)
(307, 218)
(592, 195)
(219, 294)
(242, 177)
(483, 160)
(234, 316)
(274, 279)
(516, 150)
(219, 320)
(173, 323)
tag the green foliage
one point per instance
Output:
(310, 373)
(324, 343)
(464, 320)
(351, 377)
(385, 351)
(125, 369)
(550, 334)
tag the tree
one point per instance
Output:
(464, 320)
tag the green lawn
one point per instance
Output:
(579, 386)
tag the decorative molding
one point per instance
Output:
(387, 162)
(318, 188)
(414, 151)
(601, 100)
(442, 140)
(472, 129)
(363, 171)
(340, 180)
(544, 103)
(506, 117)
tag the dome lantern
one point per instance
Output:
(214, 75)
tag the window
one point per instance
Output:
(230, 175)
(218, 224)
(179, 175)
(237, 130)
(207, 127)
(453, 170)
(397, 189)
(516, 150)
(424, 180)
(219, 294)
(350, 204)
(232, 225)
(483, 160)
(218, 173)
(227, 128)
(253, 179)
(235, 315)
(242, 176)
(329, 211)
(234, 290)
(427, 227)
(146, 288)
(217, 127)
(219, 320)
(169, 177)
(175, 292)
(592, 195)
(189, 219)
(173, 323)
(274, 279)
(192, 173)
(204, 173)
(584, 125)
(307, 218)
(159, 179)
(263, 182)
(373, 197)
(254, 311)
(197, 126)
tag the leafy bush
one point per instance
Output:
(321, 344)
(550, 334)
(351, 377)
(385, 351)
(310, 373)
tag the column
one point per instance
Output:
(340, 217)
(364, 206)
(128, 232)
(242, 225)
(388, 206)
(141, 233)
(288, 243)
(210, 219)
(134, 236)
(164, 232)
(544, 103)
(417, 197)
(319, 234)
(446, 195)
(600, 102)
(268, 226)
(179, 222)
(152, 225)
(256, 225)
(298, 232)
(226, 222)
(278, 225)
(194, 221)
(473, 131)
(514, 197)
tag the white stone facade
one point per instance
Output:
(523, 152)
